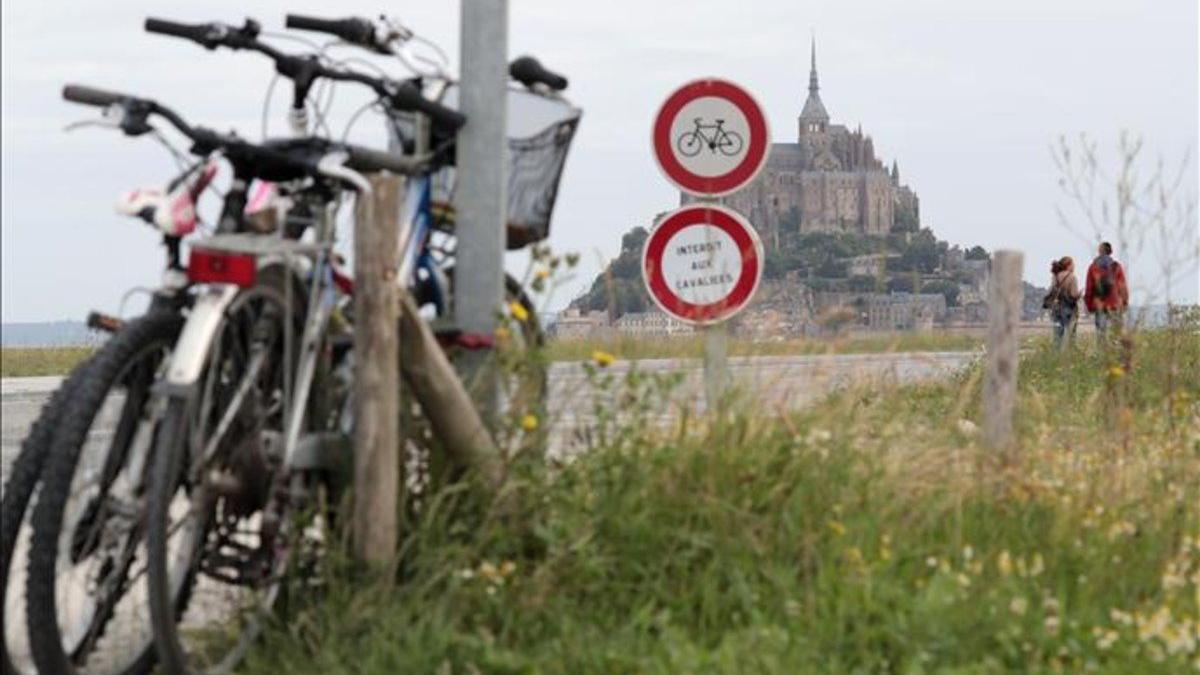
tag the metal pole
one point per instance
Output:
(482, 186)
(1000, 380)
(716, 364)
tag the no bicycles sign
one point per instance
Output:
(710, 137)
(702, 263)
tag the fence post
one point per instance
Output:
(1005, 298)
(376, 370)
(482, 189)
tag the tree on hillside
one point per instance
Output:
(977, 253)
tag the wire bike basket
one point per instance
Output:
(540, 128)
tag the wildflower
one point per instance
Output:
(507, 567)
(963, 580)
(488, 571)
(1018, 605)
(837, 528)
(1123, 618)
(1051, 625)
(518, 311)
(968, 553)
(603, 358)
(467, 574)
(819, 436)
(1116, 372)
(1004, 563)
(1104, 638)
(1119, 529)
(529, 422)
(542, 273)
(967, 427)
(931, 561)
(1038, 565)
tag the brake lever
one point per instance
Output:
(130, 119)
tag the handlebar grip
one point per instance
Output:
(201, 33)
(88, 96)
(367, 160)
(408, 97)
(529, 71)
(353, 30)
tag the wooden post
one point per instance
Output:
(1005, 298)
(376, 370)
(716, 365)
(445, 401)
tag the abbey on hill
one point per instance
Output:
(827, 180)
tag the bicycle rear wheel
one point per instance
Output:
(86, 587)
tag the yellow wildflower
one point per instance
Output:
(542, 273)
(529, 422)
(1004, 563)
(518, 311)
(837, 528)
(603, 358)
(1116, 372)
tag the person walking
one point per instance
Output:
(1107, 294)
(1063, 300)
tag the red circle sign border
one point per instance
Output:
(742, 233)
(711, 186)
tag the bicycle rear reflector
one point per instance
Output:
(217, 267)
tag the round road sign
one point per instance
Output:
(710, 137)
(702, 263)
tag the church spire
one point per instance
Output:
(813, 117)
(812, 73)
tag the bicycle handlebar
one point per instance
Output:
(351, 29)
(284, 160)
(89, 96)
(303, 69)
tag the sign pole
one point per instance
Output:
(716, 365)
(481, 192)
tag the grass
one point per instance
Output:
(633, 348)
(32, 361)
(872, 533)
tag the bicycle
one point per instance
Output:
(728, 143)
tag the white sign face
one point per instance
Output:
(709, 135)
(701, 263)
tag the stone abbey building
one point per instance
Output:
(828, 180)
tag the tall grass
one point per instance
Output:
(31, 361)
(871, 533)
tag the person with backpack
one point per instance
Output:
(1063, 300)
(1107, 295)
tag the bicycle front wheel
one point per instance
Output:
(87, 595)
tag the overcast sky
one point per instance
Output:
(968, 96)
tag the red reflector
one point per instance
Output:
(214, 267)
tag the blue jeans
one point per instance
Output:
(1064, 327)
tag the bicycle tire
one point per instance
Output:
(734, 146)
(696, 144)
(136, 338)
(23, 476)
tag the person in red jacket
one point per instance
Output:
(1107, 295)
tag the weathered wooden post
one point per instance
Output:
(376, 370)
(716, 365)
(1000, 379)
